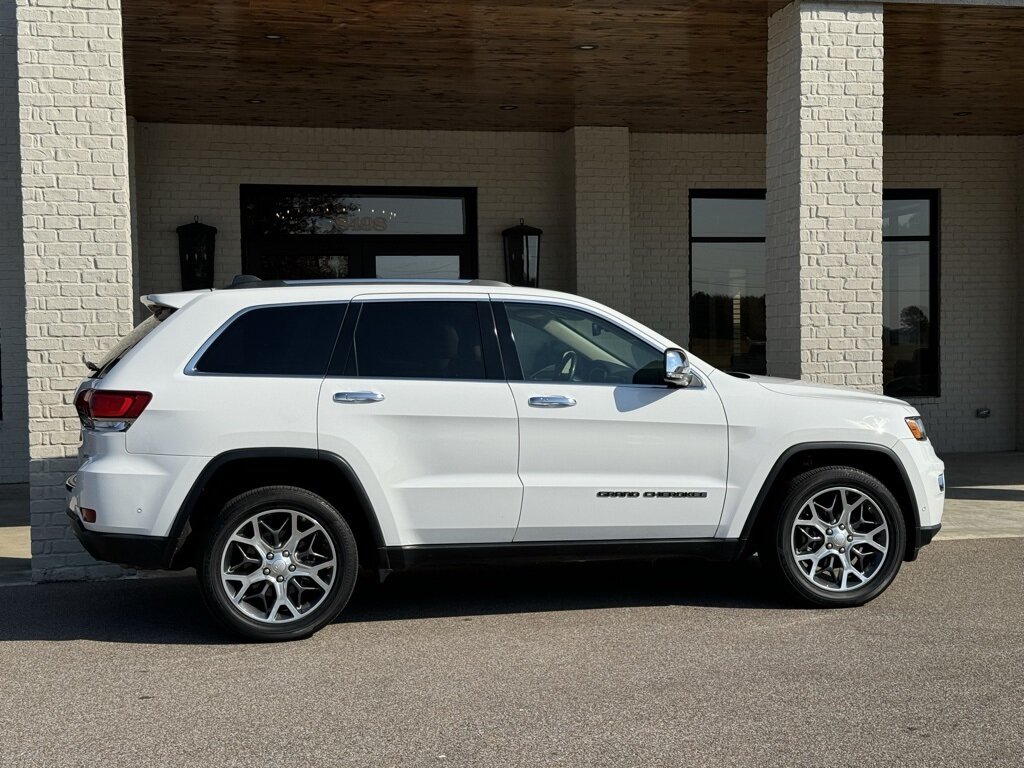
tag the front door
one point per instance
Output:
(416, 402)
(607, 451)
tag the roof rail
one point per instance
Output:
(251, 281)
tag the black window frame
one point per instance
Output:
(932, 195)
(342, 363)
(934, 372)
(720, 193)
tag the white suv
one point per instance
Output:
(279, 437)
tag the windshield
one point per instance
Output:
(125, 345)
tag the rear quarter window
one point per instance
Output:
(290, 340)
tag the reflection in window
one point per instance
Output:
(727, 285)
(909, 332)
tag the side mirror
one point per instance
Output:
(677, 368)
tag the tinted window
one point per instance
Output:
(562, 344)
(418, 340)
(295, 340)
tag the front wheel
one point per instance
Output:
(839, 537)
(278, 563)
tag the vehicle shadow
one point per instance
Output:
(169, 610)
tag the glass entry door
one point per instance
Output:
(303, 232)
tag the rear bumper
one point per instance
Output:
(921, 536)
(145, 552)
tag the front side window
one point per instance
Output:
(290, 340)
(418, 340)
(555, 343)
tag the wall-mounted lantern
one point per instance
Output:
(196, 242)
(522, 254)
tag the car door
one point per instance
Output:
(606, 450)
(416, 401)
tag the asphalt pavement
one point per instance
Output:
(622, 664)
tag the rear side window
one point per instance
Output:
(418, 340)
(292, 340)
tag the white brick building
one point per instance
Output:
(838, 196)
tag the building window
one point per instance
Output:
(910, 293)
(727, 285)
(310, 232)
(727, 278)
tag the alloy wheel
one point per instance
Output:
(840, 539)
(278, 566)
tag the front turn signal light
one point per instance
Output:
(916, 426)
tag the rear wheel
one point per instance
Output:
(839, 537)
(278, 563)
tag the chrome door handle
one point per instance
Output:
(551, 401)
(358, 397)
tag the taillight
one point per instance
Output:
(110, 409)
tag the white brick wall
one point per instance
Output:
(979, 257)
(13, 429)
(77, 276)
(601, 202)
(824, 180)
(187, 170)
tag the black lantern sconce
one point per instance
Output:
(522, 255)
(196, 242)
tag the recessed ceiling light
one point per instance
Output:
(254, 101)
(586, 47)
(508, 107)
(273, 36)
(961, 114)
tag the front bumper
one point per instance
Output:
(144, 552)
(920, 537)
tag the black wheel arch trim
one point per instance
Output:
(180, 529)
(762, 495)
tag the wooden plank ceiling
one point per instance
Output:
(686, 66)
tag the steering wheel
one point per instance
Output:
(567, 368)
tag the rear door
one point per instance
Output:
(416, 401)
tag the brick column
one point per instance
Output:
(600, 183)
(824, 180)
(78, 263)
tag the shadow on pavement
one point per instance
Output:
(170, 610)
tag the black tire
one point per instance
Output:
(329, 603)
(776, 549)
